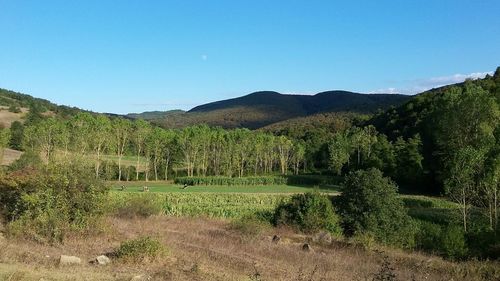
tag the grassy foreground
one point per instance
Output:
(211, 249)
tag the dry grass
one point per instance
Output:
(7, 117)
(9, 156)
(207, 249)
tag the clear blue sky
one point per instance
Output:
(133, 56)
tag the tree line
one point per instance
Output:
(192, 151)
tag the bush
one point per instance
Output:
(249, 226)
(260, 180)
(452, 244)
(140, 205)
(428, 236)
(369, 203)
(141, 249)
(14, 109)
(483, 243)
(310, 212)
(28, 159)
(44, 204)
(264, 180)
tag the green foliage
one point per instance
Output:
(140, 205)
(339, 150)
(28, 160)
(45, 204)
(216, 205)
(429, 236)
(369, 203)
(4, 137)
(409, 168)
(262, 180)
(452, 242)
(249, 226)
(310, 212)
(14, 109)
(447, 119)
(141, 249)
(16, 136)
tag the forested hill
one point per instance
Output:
(331, 101)
(260, 109)
(447, 119)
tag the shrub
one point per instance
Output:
(141, 249)
(248, 226)
(452, 244)
(310, 212)
(44, 204)
(14, 109)
(428, 236)
(369, 203)
(258, 180)
(140, 205)
(263, 180)
(483, 243)
(28, 159)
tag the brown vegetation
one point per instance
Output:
(9, 156)
(7, 117)
(203, 249)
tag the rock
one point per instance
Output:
(69, 260)
(102, 260)
(306, 247)
(142, 277)
(276, 239)
(323, 237)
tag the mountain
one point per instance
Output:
(263, 108)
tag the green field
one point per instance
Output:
(173, 188)
(237, 201)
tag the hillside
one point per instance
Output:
(417, 114)
(15, 106)
(423, 114)
(260, 109)
(149, 115)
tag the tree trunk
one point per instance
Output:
(137, 168)
(119, 168)
(166, 168)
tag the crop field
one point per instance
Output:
(239, 201)
(214, 205)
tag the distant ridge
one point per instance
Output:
(263, 108)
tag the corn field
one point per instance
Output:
(215, 205)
